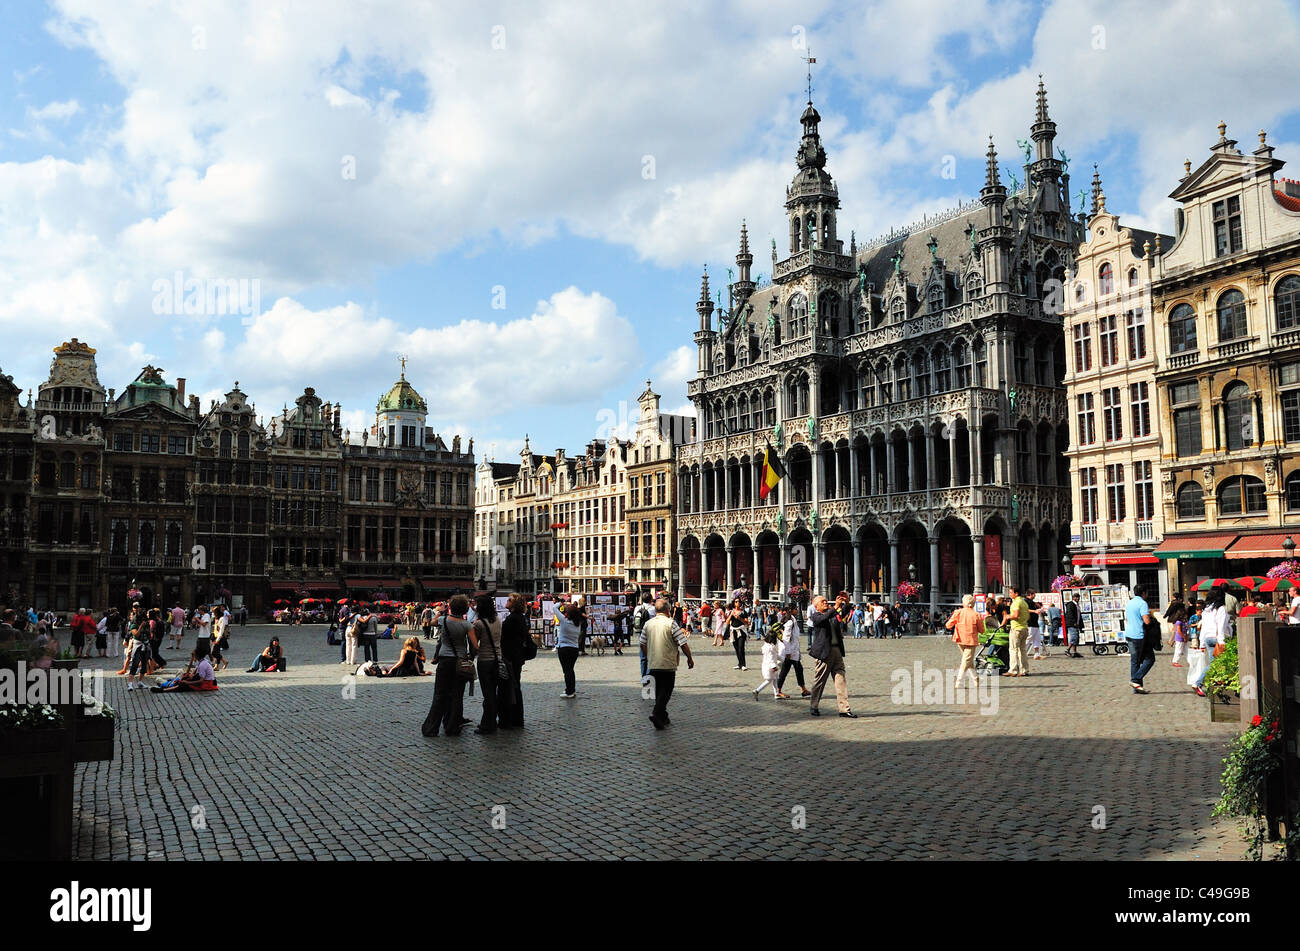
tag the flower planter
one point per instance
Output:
(32, 742)
(93, 739)
(1225, 709)
(70, 663)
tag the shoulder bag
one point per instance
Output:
(503, 668)
(465, 667)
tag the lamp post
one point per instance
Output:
(1288, 547)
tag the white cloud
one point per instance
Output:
(55, 110)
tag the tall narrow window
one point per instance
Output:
(1182, 329)
(1135, 327)
(1139, 409)
(1082, 347)
(1088, 496)
(1112, 414)
(1143, 491)
(1108, 339)
(1232, 315)
(1087, 422)
(1286, 300)
(1238, 417)
(1105, 280)
(1186, 402)
(1115, 493)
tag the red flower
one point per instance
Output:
(1256, 720)
(1274, 725)
(1269, 738)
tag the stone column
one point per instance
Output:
(934, 575)
(929, 461)
(977, 551)
(726, 486)
(1051, 455)
(681, 575)
(857, 567)
(816, 474)
(952, 456)
(819, 567)
(976, 457)
(1011, 560)
(729, 582)
(891, 469)
(871, 468)
(854, 489)
(783, 569)
(911, 464)
(892, 589)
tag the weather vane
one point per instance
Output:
(810, 59)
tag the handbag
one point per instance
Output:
(1196, 664)
(465, 668)
(503, 668)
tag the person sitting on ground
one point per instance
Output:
(411, 661)
(198, 675)
(269, 659)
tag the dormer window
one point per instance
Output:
(1227, 226)
(934, 302)
(1105, 280)
(898, 310)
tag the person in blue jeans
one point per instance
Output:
(1137, 614)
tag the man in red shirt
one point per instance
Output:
(83, 632)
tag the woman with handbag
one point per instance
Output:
(1214, 630)
(493, 672)
(453, 669)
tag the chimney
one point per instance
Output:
(1291, 187)
(338, 412)
(180, 390)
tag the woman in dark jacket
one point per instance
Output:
(270, 657)
(515, 640)
(458, 641)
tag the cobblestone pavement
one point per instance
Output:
(283, 766)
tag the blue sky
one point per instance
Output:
(468, 185)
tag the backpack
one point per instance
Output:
(638, 619)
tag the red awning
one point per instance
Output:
(1258, 546)
(1112, 558)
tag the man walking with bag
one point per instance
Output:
(1018, 635)
(828, 652)
(1072, 615)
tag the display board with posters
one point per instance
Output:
(1046, 600)
(546, 621)
(1103, 614)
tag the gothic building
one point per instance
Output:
(912, 387)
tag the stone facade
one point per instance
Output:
(408, 504)
(652, 562)
(530, 509)
(494, 533)
(1226, 296)
(232, 490)
(17, 432)
(1118, 515)
(911, 387)
(148, 518)
(590, 506)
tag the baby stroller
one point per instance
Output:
(994, 655)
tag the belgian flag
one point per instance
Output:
(773, 472)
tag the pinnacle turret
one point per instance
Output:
(1096, 189)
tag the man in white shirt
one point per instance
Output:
(1294, 616)
(204, 621)
(219, 627)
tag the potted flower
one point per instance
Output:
(1061, 582)
(94, 730)
(909, 590)
(1248, 782)
(27, 728)
(1223, 684)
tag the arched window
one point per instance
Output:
(718, 420)
(898, 310)
(942, 370)
(1105, 280)
(828, 228)
(1132, 277)
(934, 301)
(797, 317)
(828, 312)
(731, 416)
(810, 230)
(243, 445)
(864, 319)
(1191, 500)
(1286, 300)
(974, 285)
(769, 407)
(1242, 495)
(921, 374)
(885, 390)
(744, 414)
(1232, 315)
(1182, 329)
(902, 379)
(225, 444)
(961, 363)
(981, 361)
(796, 234)
(1238, 418)
(1293, 492)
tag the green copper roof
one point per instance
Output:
(402, 396)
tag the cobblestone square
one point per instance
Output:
(283, 766)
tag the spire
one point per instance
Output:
(991, 179)
(1096, 189)
(1041, 114)
(743, 286)
(704, 306)
(704, 287)
(744, 238)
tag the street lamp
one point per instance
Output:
(1067, 566)
(911, 572)
(1288, 547)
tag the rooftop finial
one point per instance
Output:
(401, 360)
(810, 59)
(704, 287)
(991, 179)
(1041, 114)
(744, 238)
(1223, 130)
(1096, 189)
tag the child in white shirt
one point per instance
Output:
(771, 664)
